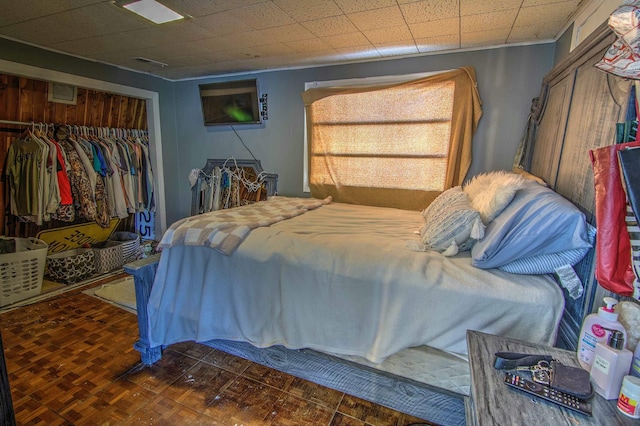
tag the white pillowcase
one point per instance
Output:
(451, 224)
(491, 192)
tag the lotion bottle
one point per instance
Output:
(611, 363)
(596, 328)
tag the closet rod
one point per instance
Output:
(18, 123)
(31, 123)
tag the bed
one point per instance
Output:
(340, 279)
(335, 295)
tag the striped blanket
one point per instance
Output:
(224, 230)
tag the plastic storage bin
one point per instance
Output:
(108, 256)
(21, 272)
(71, 266)
(130, 244)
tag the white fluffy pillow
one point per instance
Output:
(491, 192)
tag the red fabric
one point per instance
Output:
(613, 247)
(63, 179)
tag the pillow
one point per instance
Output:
(451, 224)
(548, 263)
(537, 222)
(491, 192)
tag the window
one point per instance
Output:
(392, 144)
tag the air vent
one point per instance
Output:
(151, 61)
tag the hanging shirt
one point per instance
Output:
(63, 178)
(23, 163)
(81, 186)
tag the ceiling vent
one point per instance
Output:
(151, 61)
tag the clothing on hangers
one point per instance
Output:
(90, 173)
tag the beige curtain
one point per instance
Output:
(440, 111)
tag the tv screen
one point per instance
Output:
(230, 102)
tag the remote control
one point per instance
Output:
(551, 395)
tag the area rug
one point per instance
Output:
(51, 289)
(120, 292)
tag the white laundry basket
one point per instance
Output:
(21, 273)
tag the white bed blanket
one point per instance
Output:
(339, 279)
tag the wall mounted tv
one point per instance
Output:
(230, 102)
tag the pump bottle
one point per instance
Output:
(597, 328)
(611, 362)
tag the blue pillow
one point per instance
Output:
(537, 222)
(548, 263)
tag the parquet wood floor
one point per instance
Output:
(71, 362)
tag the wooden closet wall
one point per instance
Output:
(24, 99)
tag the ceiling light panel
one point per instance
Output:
(153, 11)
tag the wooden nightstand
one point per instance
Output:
(494, 403)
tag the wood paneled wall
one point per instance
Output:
(24, 99)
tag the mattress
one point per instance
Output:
(340, 279)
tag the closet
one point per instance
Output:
(24, 101)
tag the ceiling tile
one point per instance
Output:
(484, 38)
(433, 44)
(359, 52)
(500, 19)
(245, 39)
(430, 10)
(195, 47)
(378, 18)
(313, 45)
(435, 28)
(89, 21)
(262, 15)
(396, 49)
(173, 32)
(101, 44)
(287, 33)
(224, 56)
(475, 7)
(351, 6)
(98, 19)
(33, 9)
(556, 14)
(330, 26)
(225, 36)
(37, 33)
(186, 61)
(540, 32)
(276, 49)
(309, 10)
(569, 3)
(388, 35)
(128, 61)
(198, 8)
(221, 24)
(346, 40)
(116, 57)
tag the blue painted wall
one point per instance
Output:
(508, 78)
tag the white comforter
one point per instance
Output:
(340, 279)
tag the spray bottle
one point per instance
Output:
(597, 328)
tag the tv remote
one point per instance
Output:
(546, 393)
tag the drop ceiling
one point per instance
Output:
(234, 36)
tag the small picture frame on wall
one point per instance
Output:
(62, 93)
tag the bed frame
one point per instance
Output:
(576, 111)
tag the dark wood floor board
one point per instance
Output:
(70, 361)
(199, 386)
